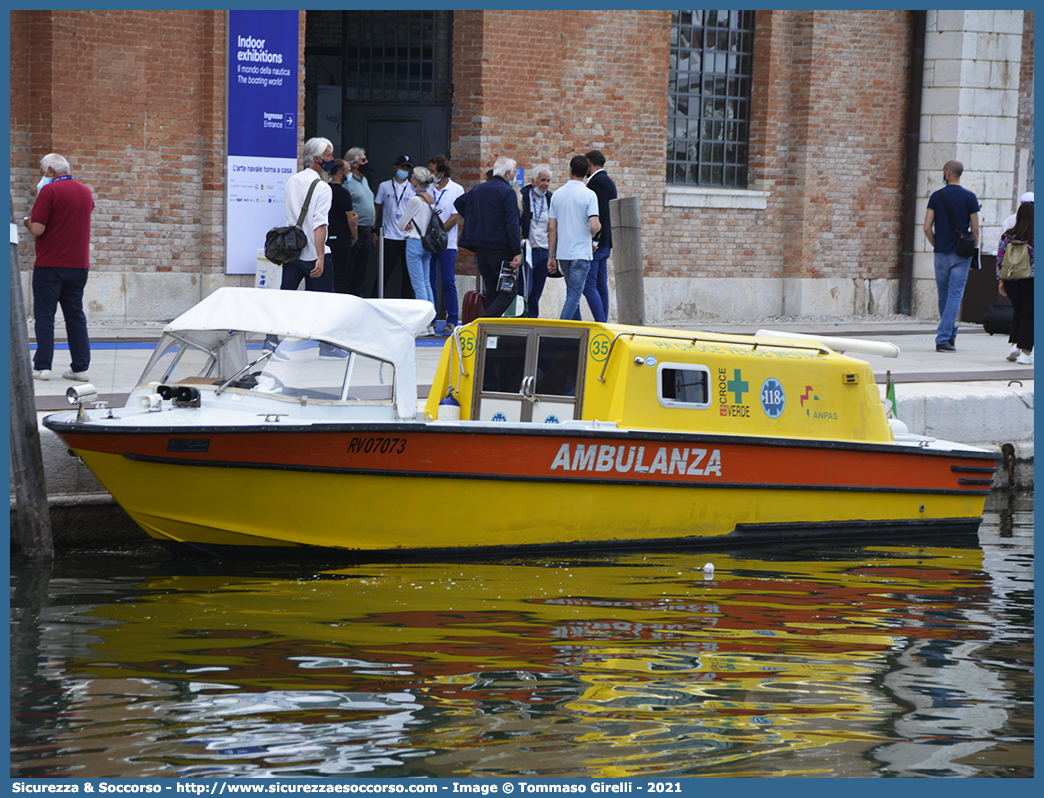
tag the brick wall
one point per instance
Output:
(538, 87)
(828, 135)
(137, 106)
(827, 143)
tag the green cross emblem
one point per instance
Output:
(738, 386)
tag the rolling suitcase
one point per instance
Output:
(474, 304)
(997, 319)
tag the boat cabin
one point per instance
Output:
(556, 372)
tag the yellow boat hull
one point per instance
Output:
(235, 507)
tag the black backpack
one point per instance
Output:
(434, 238)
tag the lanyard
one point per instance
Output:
(398, 197)
(63, 177)
(540, 210)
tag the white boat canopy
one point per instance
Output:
(385, 329)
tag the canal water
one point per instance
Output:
(884, 659)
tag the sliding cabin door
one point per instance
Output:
(530, 374)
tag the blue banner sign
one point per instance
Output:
(262, 129)
(262, 83)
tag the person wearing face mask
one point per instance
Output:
(312, 265)
(390, 202)
(951, 210)
(445, 192)
(413, 222)
(60, 223)
(343, 230)
(358, 185)
(536, 201)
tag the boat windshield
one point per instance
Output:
(293, 368)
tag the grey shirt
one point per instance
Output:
(362, 199)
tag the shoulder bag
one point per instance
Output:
(284, 244)
(965, 238)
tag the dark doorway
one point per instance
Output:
(380, 80)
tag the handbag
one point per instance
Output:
(965, 238)
(519, 307)
(284, 244)
(1016, 264)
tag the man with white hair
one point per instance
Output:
(536, 201)
(491, 231)
(311, 266)
(308, 187)
(60, 223)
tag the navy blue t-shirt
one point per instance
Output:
(963, 204)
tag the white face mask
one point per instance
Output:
(43, 182)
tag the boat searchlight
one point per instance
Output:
(80, 395)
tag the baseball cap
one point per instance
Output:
(403, 160)
(1027, 197)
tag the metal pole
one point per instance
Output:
(27, 470)
(628, 269)
(380, 264)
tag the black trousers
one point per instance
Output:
(1020, 292)
(359, 258)
(397, 283)
(341, 261)
(488, 260)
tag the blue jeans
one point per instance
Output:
(951, 275)
(575, 273)
(417, 266)
(537, 278)
(54, 286)
(596, 289)
(297, 270)
(445, 265)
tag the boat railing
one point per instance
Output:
(693, 339)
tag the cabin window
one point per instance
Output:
(558, 362)
(505, 363)
(684, 386)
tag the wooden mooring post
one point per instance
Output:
(27, 471)
(628, 268)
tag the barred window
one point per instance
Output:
(708, 117)
(397, 56)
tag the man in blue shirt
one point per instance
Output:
(951, 210)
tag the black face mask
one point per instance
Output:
(365, 169)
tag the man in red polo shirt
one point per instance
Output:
(61, 226)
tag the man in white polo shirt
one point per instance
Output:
(572, 224)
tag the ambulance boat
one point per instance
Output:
(270, 420)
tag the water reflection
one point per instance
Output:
(857, 661)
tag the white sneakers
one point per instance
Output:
(1014, 353)
(1024, 359)
(45, 374)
